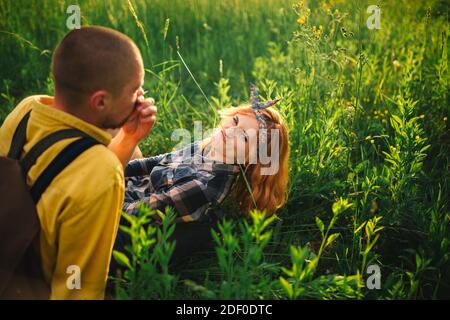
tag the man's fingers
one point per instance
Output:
(145, 103)
(146, 111)
(149, 119)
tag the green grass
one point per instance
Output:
(368, 119)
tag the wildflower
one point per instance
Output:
(385, 111)
(422, 116)
(336, 13)
(445, 118)
(396, 64)
(375, 112)
(317, 31)
(206, 26)
(368, 137)
(346, 33)
(417, 137)
(372, 141)
(384, 121)
(301, 21)
(325, 6)
(350, 109)
(396, 150)
(300, 4)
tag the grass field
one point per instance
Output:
(368, 119)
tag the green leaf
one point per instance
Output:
(128, 217)
(331, 238)
(288, 272)
(425, 148)
(122, 259)
(360, 227)
(340, 206)
(287, 287)
(320, 225)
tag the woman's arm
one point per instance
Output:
(142, 166)
(137, 154)
(186, 198)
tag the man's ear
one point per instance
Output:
(99, 101)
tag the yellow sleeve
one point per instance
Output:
(85, 241)
(8, 126)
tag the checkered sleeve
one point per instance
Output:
(143, 166)
(185, 198)
(188, 199)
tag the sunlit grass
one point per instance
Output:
(368, 118)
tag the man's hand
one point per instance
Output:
(141, 121)
(137, 127)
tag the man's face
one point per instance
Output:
(123, 105)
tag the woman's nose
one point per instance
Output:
(228, 124)
(140, 92)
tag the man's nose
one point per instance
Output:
(140, 92)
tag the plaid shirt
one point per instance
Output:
(183, 179)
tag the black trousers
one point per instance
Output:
(190, 237)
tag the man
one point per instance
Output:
(98, 75)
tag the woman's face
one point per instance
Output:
(234, 135)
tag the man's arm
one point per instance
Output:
(137, 153)
(123, 146)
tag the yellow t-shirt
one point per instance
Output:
(80, 210)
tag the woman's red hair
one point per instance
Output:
(268, 192)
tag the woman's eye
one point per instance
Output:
(236, 120)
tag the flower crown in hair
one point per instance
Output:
(257, 106)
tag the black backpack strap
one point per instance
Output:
(19, 137)
(35, 152)
(63, 159)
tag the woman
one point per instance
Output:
(196, 179)
(193, 179)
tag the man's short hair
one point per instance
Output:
(93, 58)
